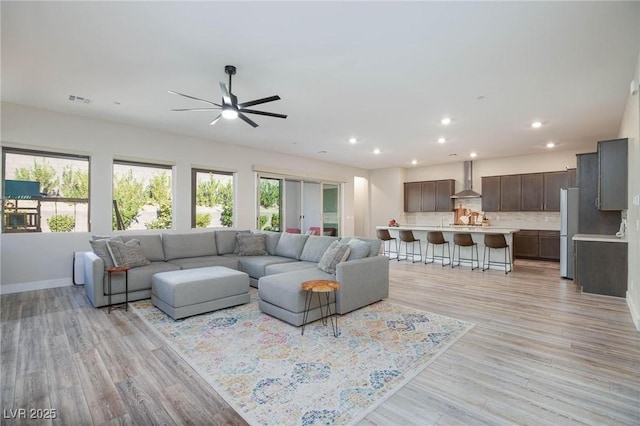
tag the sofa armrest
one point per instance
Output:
(362, 282)
(94, 279)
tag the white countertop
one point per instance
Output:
(470, 229)
(599, 238)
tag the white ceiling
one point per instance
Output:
(383, 72)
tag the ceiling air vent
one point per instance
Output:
(79, 99)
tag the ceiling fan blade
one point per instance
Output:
(216, 120)
(195, 109)
(225, 94)
(247, 119)
(193, 97)
(269, 114)
(259, 101)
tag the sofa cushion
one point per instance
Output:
(255, 265)
(226, 241)
(251, 244)
(315, 247)
(99, 247)
(206, 261)
(284, 290)
(374, 244)
(359, 249)
(127, 254)
(335, 254)
(280, 268)
(139, 278)
(151, 246)
(272, 240)
(194, 244)
(291, 245)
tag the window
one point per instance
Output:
(142, 196)
(211, 199)
(44, 191)
(269, 206)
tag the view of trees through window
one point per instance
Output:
(142, 194)
(63, 205)
(212, 203)
(269, 216)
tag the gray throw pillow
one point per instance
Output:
(335, 254)
(359, 249)
(251, 244)
(127, 254)
(101, 250)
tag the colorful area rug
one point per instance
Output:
(271, 375)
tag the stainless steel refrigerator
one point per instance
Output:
(568, 227)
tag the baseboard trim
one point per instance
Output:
(35, 285)
(634, 312)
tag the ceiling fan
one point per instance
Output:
(230, 107)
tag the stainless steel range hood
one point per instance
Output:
(467, 183)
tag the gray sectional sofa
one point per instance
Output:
(290, 259)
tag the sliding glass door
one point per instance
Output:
(298, 206)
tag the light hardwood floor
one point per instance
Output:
(540, 353)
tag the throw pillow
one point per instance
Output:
(127, 254)
(359, 249)
(101, 250)
(252, 244)
(335, 254)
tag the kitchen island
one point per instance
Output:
(477, 234)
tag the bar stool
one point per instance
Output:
(406, 236)
(385, 236)
(436, 238)
(464, 240)
(496, 241)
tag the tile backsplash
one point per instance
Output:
(520, 220)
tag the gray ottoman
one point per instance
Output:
(195, 291)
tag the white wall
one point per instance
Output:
(36, 258)
(386, 193)
(630, 128)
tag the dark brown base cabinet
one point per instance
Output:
(601, 267)
(534, 244)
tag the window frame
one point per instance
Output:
(151, 165)
(194, 190)
(46, 154)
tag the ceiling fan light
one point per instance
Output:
(229, 114)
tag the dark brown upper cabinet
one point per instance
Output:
(428, 190)
(412, 196)
(429, 196)
(444, 190)
(612, 174)
(511, 193)
(553, 181)
(491, 193)
(572, 181)
(533, 192)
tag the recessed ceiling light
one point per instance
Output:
(442, 140)
(536, 124)
(473, 154)
(376, 151)
(414, 162)
(550, 144)
(353, 140)
(446, 121)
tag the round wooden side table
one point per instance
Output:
(113, 270)
(320, 286)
